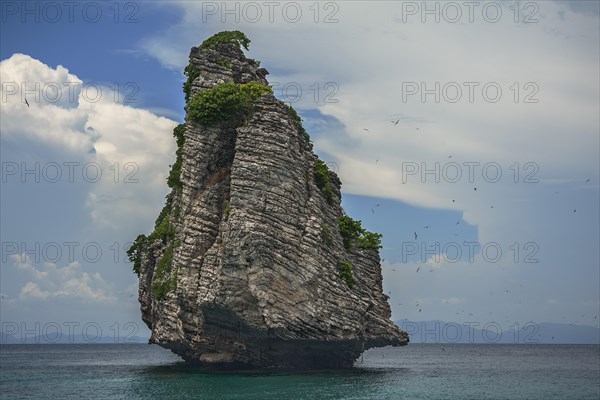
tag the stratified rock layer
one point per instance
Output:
(257, 283)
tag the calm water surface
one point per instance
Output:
(417, 371)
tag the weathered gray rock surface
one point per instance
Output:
(256, 247)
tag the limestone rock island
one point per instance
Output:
(253, 263)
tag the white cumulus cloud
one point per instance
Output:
(122, 152)
(51, 281)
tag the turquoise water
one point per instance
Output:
(417, 371)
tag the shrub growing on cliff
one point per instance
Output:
(175, 174)
(326, 236)
(224, 102)
(160, 285)
(322, 175)
(160, 289)
(225, 64)
(236, 37)
(370, 240)
(134, 253)
(298, 123)
(162, 231)
(163, 266)
(351, 231)
(162, 227)
(322, 179)
(192, 73)
(345, 270)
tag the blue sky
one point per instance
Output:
(516, 241)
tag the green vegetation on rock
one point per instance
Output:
(163, 266)
(323, 180)
(298, 123)
(175, 174)
(161, 284)
(370, 240)
(163, 230)
(236, 37)
(351, 231)
(134, 253)
(326, 236)
(225, 101)
(160, 289)
(192, 73)
(345, 270)
(321, 173)
(225, 64)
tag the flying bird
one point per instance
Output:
(427, 227)
(587, 181)
(26, 102)
(416, 235)
(418, 269)
(475, 189)
(373, 211)
(575, 210)
(450, 156)
(396, 123)
(457, 222)
(420, 309)
(453, 201)
(365, 129)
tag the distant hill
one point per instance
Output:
(544, 333)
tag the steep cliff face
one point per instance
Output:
(252, 263)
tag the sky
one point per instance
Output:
(466, 132)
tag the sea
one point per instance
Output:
(416, 371)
